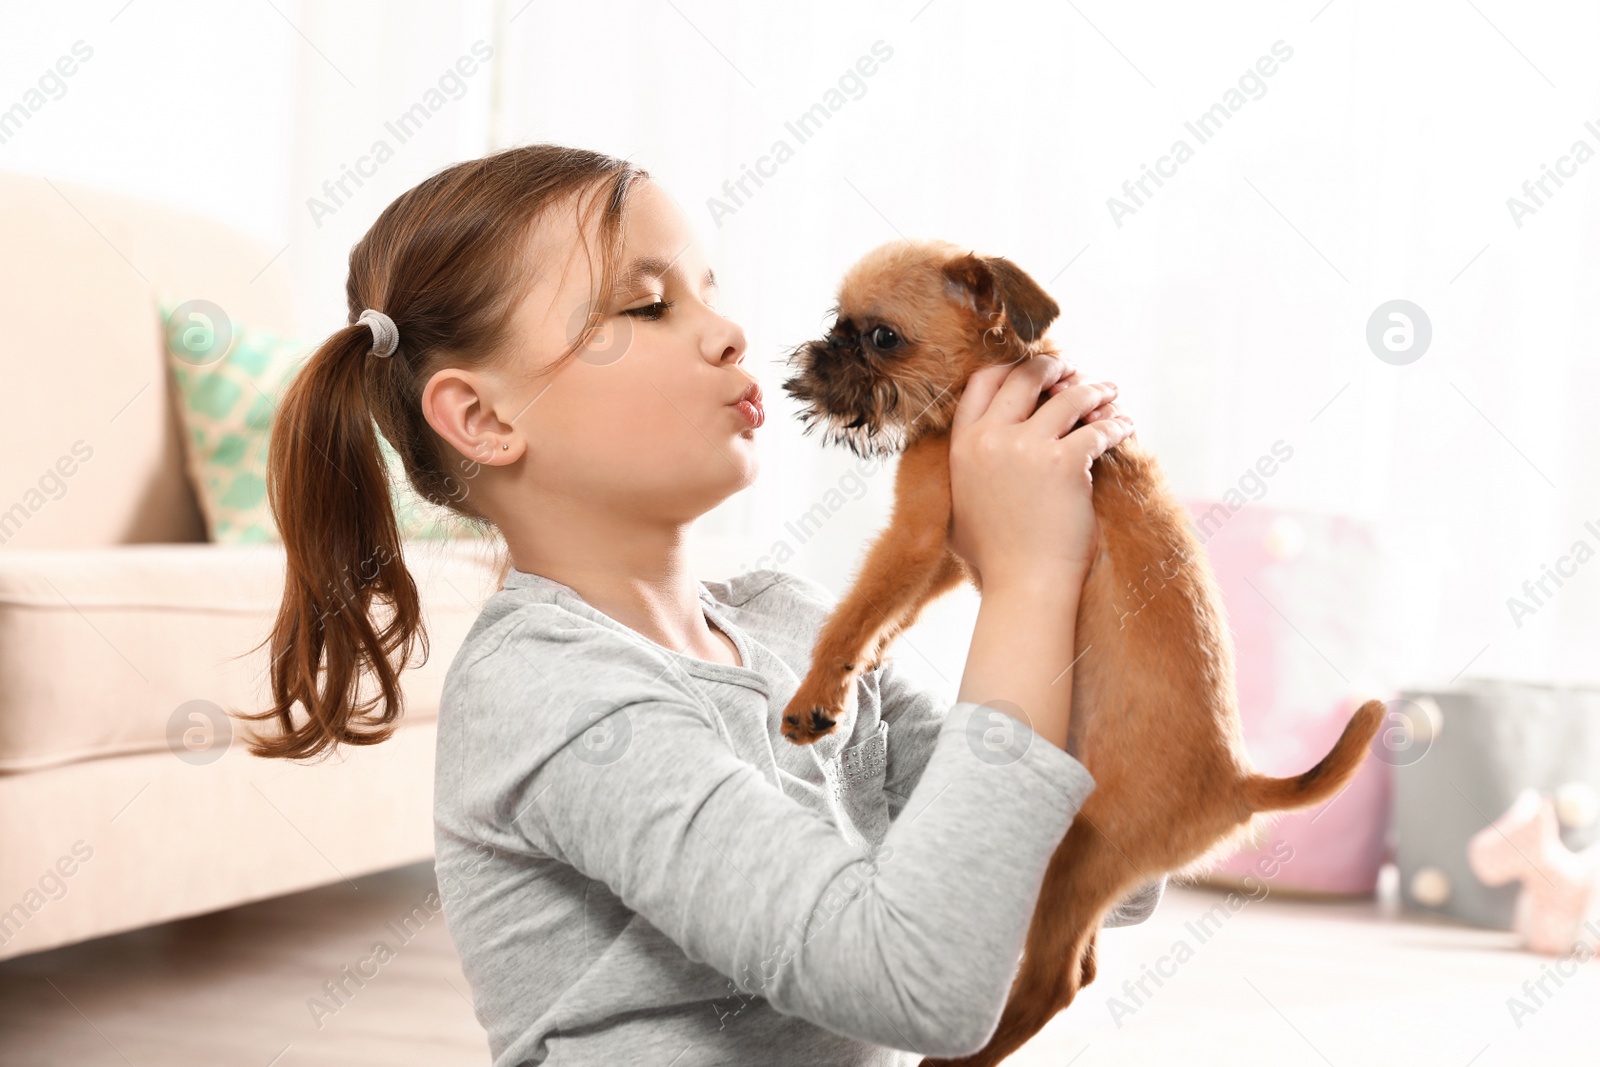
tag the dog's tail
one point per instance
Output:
(1327, 777)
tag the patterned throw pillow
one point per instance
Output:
(226, 406)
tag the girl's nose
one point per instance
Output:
(727, 339)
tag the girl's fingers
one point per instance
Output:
(985, 388)
(1069, 379)
(1067, 408)
(1017, 396)
(982, 385)
(1092, 440)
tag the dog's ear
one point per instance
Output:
(1029, 309)
(995, 285)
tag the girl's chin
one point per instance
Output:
(749, 463)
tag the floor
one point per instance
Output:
(1288, 982)
(1276, 981)
(237, 987)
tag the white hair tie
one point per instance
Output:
(385, 335)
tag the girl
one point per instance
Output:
(635, 865)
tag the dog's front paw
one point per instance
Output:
(804, 723)
(813, 711)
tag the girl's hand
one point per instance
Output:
(1021, 504)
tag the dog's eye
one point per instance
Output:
(883, 337)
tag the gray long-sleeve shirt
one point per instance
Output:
(637, 867)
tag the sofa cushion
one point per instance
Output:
(90, 448)
(228, 379)
(104, 651)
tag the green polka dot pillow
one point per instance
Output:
(226, 404)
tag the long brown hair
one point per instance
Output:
(447, 261)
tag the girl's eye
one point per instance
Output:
(650, 311)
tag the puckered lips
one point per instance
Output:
(749, 405)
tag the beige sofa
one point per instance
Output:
(116, 613)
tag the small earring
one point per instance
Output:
(504, 447)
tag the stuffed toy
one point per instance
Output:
(1558, 908)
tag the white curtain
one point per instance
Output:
(1338, 156)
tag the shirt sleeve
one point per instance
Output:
(1137, 906)
(630, 780)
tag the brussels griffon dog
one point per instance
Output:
(1154, 716)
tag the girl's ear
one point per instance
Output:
(995, 286)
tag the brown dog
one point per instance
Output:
(1153, 705)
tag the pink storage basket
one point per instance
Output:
(1300, 595)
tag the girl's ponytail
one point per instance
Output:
(448, 262)
(329, 490)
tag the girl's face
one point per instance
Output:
(644, 417)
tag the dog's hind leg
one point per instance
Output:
(1087, 971)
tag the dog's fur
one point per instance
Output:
(1154, 715)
